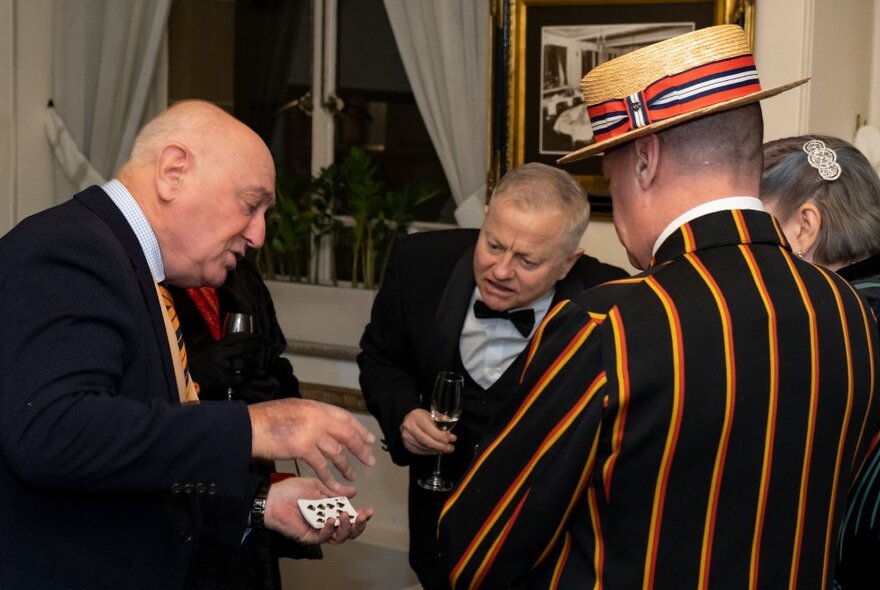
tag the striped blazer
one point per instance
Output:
(696, 426)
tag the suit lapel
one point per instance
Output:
(446, 328)
(568, 288)
(98, 202)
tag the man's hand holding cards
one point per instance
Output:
(285, 515)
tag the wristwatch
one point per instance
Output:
(258, 508)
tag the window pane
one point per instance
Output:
(200, 50)
(380, 113)
(273, 65)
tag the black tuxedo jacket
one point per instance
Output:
(414, 333)
(107, 480)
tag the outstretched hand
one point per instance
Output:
(283, 514)
(315, 432)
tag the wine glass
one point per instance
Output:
(445, 411)
(235, 323)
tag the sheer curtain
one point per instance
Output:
(444, 47)
(110, 77)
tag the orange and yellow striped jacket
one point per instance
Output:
(696, 426)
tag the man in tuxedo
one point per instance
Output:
(111, 469)
(468, 302)
(697, 425)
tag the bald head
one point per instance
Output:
(204, 181)
(197, 124)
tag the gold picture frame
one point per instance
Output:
(535, 109)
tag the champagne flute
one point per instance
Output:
(445, 411)
(235, 323)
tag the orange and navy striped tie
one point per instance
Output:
(191, 387)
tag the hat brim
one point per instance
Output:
(595, 148)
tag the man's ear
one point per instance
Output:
(647, 156)
(172, 163)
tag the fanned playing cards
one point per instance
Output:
(317, 512)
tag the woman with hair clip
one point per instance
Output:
(826, 197)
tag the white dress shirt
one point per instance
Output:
(139, 225)
(489, 346)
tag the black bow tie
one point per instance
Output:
(523, 319)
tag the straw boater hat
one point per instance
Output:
(670, 82)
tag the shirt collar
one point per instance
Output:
(132, 212)
(724, 204)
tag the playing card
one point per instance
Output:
(318, 511)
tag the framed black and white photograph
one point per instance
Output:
(541, 50)
(567, 53)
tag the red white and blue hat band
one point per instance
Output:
(700, 87)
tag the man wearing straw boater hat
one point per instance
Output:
(697, 425)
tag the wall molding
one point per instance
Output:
(344, 397)
(806, 65)
(321, 350)
(874, 93)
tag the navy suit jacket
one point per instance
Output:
(107, 480)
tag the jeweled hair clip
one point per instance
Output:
(823, 159)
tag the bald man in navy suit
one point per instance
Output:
(109, 480)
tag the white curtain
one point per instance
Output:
(444, 46)
(110, 77)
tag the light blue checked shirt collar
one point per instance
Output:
(139, 225)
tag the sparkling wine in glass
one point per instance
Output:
(234, 323)
(445, 411)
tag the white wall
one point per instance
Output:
(874, 108)
(841, 45)
(600, 240)
(7, 115)
(781, 56)
(26, 31)
(831, 41)
(33, 83)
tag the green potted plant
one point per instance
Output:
(348, 202)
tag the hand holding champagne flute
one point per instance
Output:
(445, 411)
